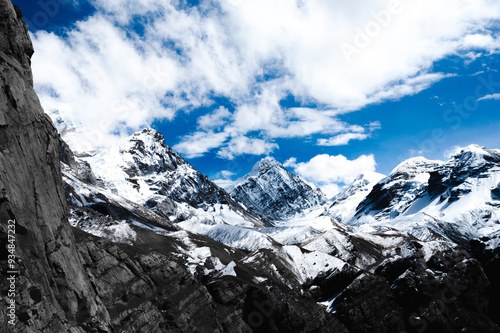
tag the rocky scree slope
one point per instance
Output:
(331, 264)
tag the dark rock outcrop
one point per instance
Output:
(146, 289)
(490, 260)
(52, 286)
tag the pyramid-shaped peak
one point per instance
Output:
(273, 190)
(264, 164)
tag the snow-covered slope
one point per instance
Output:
(273, 190)
(141, 191)
(456, 200)
(345, 203)
(144, 170)
(116, 197)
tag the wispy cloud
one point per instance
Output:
(358, 133)
(487, 97)
(117, 76)
(342, 139)
(198, 143)
(215, 120)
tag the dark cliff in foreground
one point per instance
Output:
(52, 286)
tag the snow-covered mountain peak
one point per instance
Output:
(268, 162)
(264, 165)
(271, 189)
(477, 150)
(414, 166)
(148, 135)
(475, 156)
(145, 152)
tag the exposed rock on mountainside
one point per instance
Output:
(144, 170)
(455, 200)
(147, 290)
(52, 285)
(391, 197)
(489, 257)
(271, 189)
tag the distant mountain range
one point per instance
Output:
(290, 231)
(454, 201)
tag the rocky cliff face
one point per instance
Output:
(52, 286)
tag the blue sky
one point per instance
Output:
(327, 88)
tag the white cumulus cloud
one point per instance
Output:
(242, 145)
(332, 173)
(117, 78)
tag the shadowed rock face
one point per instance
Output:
(145, 289)
(52, 285)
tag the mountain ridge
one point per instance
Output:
(320, 228)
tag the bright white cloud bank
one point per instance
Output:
(341, 55)
(332, 173)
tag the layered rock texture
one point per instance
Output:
(52, 284)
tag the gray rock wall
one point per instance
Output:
(52, 285)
